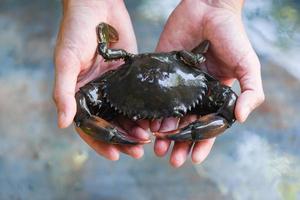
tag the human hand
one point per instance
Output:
(230, 57)
(76, 63)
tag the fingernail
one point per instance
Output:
(155, 125)
(197, 159)
(143, 134)
(61, 118)
(161, 147)
(137, 152)
(139, 133)
(169, 124)
(144, 124)
(245, 113)
(114, 156)
(177, 161)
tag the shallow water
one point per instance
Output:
(257, 160)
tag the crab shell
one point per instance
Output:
(150, 86)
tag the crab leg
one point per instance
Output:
(102, 130)
(204, 127)
(99, 128)
(107, 34)
(209, 125)
(196, 55)
(202, 47)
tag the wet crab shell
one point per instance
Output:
(150, 86)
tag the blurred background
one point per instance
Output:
(256, 160)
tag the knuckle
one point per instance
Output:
(249, 60)
(260, 98)
(55, 96)
(66, 60)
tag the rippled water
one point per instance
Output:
(257, 160)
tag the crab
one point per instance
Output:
(153, 86)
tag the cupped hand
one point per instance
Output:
(230, 57)
(77, 63)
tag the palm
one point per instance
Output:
(228, 58)
(77, 63)
(81, 42)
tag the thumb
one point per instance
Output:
(248, 72)
(233, 46)
(67, 69)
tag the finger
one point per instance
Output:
(161, 147)
(132, 128)
(201, 150)
(179, 153)
(189, 34)
(108, 151)
(247, 102)
(139, 132)
(145, 124)
(127, 39)
(135, 151)
(124, 123)
(252, 95)
(155, 125)
(169, 124)
(129, 124)
(186, 120)
(67, 69)
(229, 82)
(236, 50)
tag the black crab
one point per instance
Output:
(153, 86)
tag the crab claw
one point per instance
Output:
(176, 135)
(102, 130)
(106, 33)
(205, 127)
(202, 47)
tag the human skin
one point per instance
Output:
(76, 63)
(230, 57)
